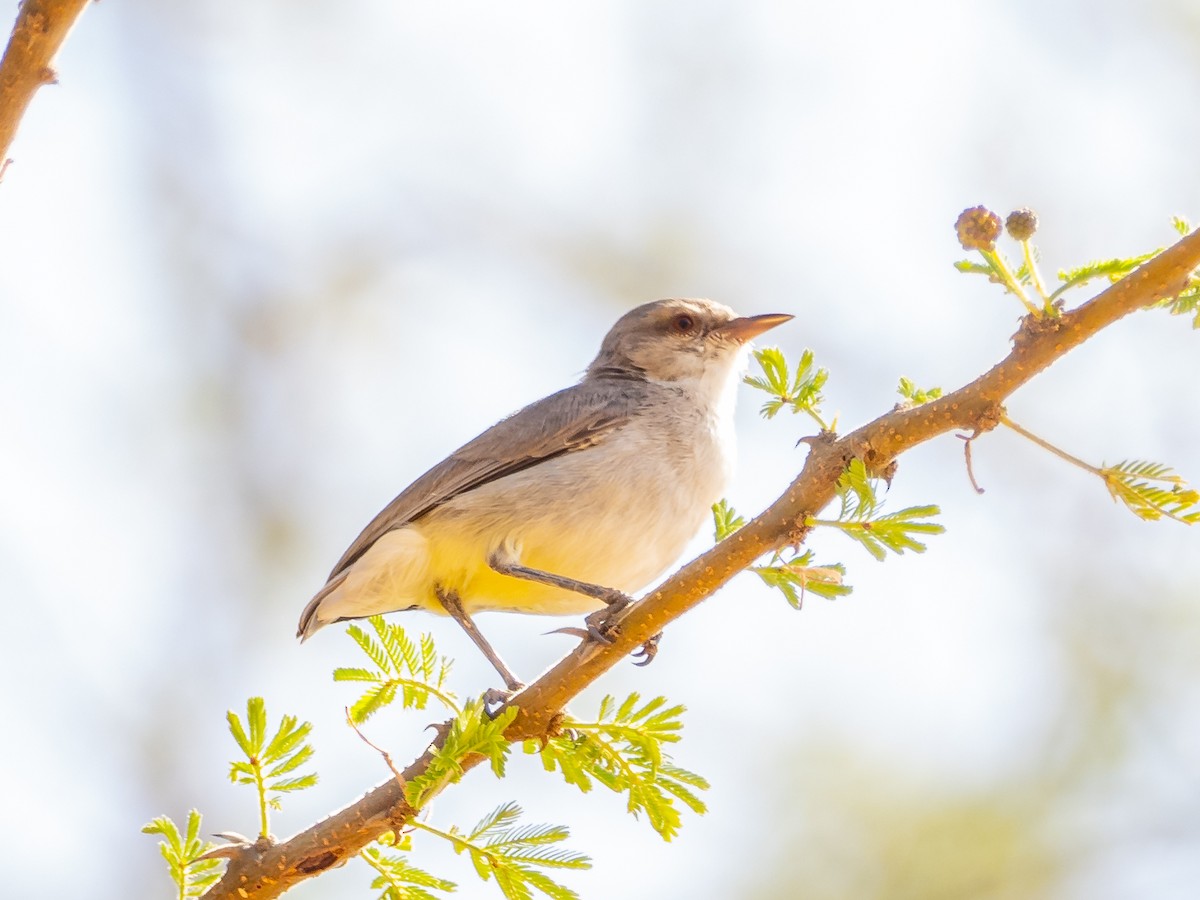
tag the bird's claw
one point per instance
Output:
(598, 627)
(647, 651)
(494, 699)
(599, 624)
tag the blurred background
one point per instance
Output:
(260, 268)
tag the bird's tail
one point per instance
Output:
(311, 619)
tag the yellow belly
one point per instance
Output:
(616, 515)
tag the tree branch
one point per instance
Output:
(41, 27)
(256, 872)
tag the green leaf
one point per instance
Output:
(192, 875)
(500, 817)
(623, 750)
(1152, 490)
(518, 850)
(472, 731)
(514, 856)
(239, 733)
(1112, 269)
(285, 739)
(892, 532)
(970, 266)
(796, 577)
(295, 784)
(1185, 303)
(859, 517)
(994, 266)
(917, 396)
(801, 393)
(267, 760)
(410, 669)
(856, 490)
(725, 520)
(400, 880)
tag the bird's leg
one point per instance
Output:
(614, 600)
(597, 622)
(453, 606)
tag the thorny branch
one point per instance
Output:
(265, 873)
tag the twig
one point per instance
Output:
(967, 440)
(40, 29)
(387, 757)
(1046, 445)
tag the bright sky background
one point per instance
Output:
(260, 268)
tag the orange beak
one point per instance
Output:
(749, 327)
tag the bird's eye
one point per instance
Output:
(683, 323)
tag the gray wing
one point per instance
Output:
(578, 417)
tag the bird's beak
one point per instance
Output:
(749, 327)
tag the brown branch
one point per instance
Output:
(41, 27)
(255, 873)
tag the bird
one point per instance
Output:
(573, 503)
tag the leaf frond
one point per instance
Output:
(403, 667)
(472, 731)
(182, 851)
(1152, 491)
(623, 749)
(800, 392)
(398, 879)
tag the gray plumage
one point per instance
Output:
(595, 488)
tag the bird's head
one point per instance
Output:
(680, 340)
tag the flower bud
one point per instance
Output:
(978, 228)
(1021, 223)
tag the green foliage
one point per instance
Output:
(269, 760)
(623, 750)
(1149, 489)
(472, 731)
(396, 878)
(513, 855)
(859, 516)
(995, 267)
(401, 665)
(802, 392)
(796, 576)
(1112, 269)
(192, 875)
(725, 520)
(1187, 303)
(917, 396)
(971, 267)
(1152, 490)
(998, 271)
(792, 576)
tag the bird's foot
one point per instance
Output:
(647, 651)
(495, 699)
(599, 624)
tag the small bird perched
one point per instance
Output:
(574, 502)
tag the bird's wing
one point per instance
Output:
(580, 416)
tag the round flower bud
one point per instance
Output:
(1021, 223)
(978, 228)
